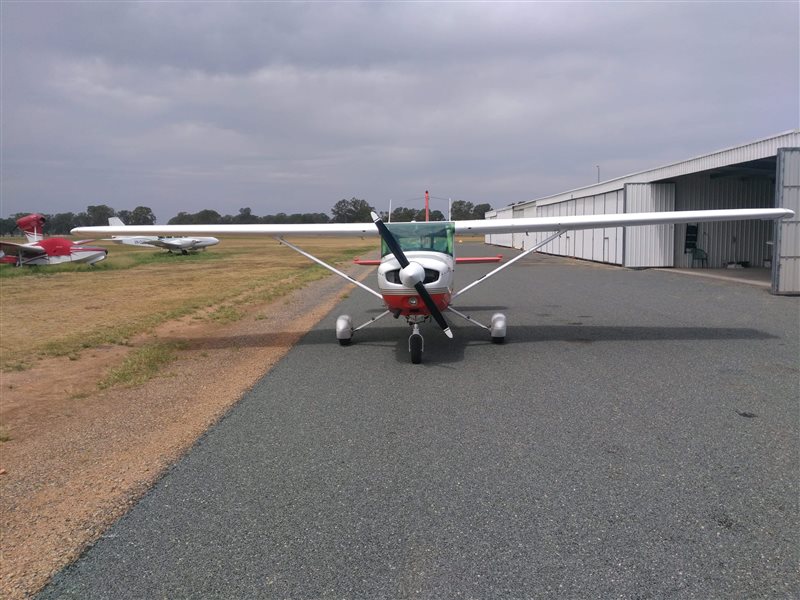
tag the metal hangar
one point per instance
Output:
(763, 173)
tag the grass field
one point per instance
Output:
(60, 310)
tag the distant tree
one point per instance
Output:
(7, 226)
(461, 210)
(99, 214)
(351, 211)
(182, 218)
(245, 216)
(83, 220)
(480, 210)
(206, 217)
(61, 223)
(401, 214)
(125, 216)
(141, 215)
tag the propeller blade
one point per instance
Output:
(423, 293)
(390, 240)
(433, 309)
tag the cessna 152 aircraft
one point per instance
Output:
(184, 245)
(46, 251)
(416, 270)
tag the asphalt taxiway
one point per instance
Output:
(635, 437)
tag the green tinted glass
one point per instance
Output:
(436, 236)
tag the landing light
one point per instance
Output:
(412, 300)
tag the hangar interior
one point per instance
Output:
(764, 173)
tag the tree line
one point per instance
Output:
(354, 210)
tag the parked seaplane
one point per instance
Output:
(46, 251)
(184, 245)
(417, 265)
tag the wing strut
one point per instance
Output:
(329, 267)
(509, 263)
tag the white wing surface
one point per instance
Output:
(616, 220)
(312, 229)
(462, 227)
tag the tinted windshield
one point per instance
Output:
(434, 235)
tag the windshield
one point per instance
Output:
(433, 235)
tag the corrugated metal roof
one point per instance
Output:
(758, 149)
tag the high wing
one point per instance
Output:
(569, 223)
(22, 250)
(311, 229)
(521, 225)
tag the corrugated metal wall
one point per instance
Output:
(731, 241)
(601, 245)
(501, 239)
(786, 270)
(650, 245)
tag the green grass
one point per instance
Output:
(223, 304)
(142, 364)
(120, 334)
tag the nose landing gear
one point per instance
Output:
(416, 344)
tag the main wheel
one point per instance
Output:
(415, 347)
(498, 328)
(344, 330)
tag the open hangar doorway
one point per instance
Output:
(728, 244)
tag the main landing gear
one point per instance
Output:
(416, 343)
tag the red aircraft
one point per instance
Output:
(49, 251)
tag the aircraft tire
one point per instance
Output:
(415, 347)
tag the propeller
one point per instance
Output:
(411, 274)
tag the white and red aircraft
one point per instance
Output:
(417, 265)
(46, 251)
(184, 245)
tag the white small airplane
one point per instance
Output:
(417, 265)
(184, 245)
(41, 251)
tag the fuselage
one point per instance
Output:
(428, 245)
(168, 243)
(439, 270)
(57, 251)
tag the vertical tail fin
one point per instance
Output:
(32, 226)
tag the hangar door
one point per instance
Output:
(786, 258)
(649, 245)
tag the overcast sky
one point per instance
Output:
(289, 107)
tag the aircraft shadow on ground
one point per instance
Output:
(440, 350)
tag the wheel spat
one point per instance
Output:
(394, 246)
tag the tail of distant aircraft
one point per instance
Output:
(116, 222)
(32, 226)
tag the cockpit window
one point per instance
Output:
(431, 235)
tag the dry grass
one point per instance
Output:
(59, 311)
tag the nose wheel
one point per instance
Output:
(416, 345)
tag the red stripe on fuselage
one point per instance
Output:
(411, 304)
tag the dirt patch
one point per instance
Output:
(77, 458)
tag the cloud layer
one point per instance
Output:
(292, 106)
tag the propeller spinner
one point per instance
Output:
(411, 274)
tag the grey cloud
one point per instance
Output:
(292, 106)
